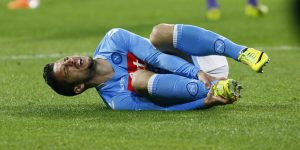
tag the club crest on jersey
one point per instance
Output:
(219, 46)
(116, 58)
(192, 88)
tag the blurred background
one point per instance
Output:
(295, 7)
(76, 25)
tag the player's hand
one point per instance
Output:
(206, 79)
(212, 100)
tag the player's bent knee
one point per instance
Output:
(140, 79)
(161, 33)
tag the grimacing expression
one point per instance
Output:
(73, 69)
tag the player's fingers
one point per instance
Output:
(206, 82)
(205, 78)
(210, 93)
(221, 100)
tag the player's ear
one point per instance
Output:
(79, 88)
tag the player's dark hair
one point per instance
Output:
(59, 87)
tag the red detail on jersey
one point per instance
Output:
(133, 64)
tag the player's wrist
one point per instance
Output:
(199, 74)
(207, 103)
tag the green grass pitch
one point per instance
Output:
(32, 116)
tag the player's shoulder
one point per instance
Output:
(113, 32)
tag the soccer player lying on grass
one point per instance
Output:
(129, 73)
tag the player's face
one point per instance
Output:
(74, 69)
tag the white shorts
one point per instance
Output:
(213, 65)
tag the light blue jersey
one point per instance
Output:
(128, 52)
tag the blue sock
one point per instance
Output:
(252, 2)
(212, 4)
(197, 41)
(171, 89)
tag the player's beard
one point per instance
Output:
(92, 63)
(91, 69)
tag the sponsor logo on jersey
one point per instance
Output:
(133, 65)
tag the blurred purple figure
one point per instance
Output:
(253, 9)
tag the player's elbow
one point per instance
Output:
(161, 34)
(115, 32)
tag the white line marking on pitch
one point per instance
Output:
(279, 48)
(55, 55)
(37, 56)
